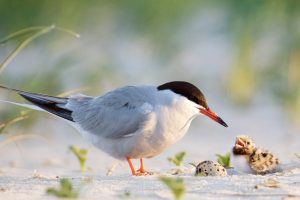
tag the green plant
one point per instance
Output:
(201, 174)
(297, 155)
(35, 33)
(81, 155)
(176, 185)
(126, 195)
(193, 164)
(178, 158)
(29, 34)
(66, 190)
(224, 160)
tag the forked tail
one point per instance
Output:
(54, 105)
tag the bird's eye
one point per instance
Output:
(264, 155)
(195, 99)
(248, 143)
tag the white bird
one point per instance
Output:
(132, 122)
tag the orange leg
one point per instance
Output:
(131, 166)
(141, 171)
(142, 167)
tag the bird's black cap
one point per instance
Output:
(187, 90)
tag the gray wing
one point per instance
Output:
(119, 113)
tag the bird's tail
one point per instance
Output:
(42, 102)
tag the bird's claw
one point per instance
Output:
(142, 173)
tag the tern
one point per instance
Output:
(132, 122)
(250, 159)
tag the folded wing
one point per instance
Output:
(119, 113)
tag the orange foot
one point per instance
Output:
(141, 171)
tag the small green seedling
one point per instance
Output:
(200, 174)
(176, 185)
(178, 158)
(193, 164)
(66, 190)
(81, 155)
(224, 160)
(126, 195)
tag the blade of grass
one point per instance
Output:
(13, 121)
(21, 32)
(28, 30)
(68, 93)
(21, 137)
(73, 33)
(23, 44)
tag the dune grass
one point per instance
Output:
(28, 35)
(35, 33)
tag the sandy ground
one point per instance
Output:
(31, 166)
(28, 167)
(26, 184)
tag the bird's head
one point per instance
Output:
(244, 145)
(193, 94)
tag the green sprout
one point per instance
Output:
(200, 174)
(178, 158)
(81, 155)
(193, 164)
(224, 160)
(176, 185)
(66, 190)
(126, 195)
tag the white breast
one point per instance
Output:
(168, 123)
(241, 164)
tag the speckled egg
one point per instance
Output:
(210, 168)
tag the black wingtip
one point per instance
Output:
(49, 104)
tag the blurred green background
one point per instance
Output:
(243, 54)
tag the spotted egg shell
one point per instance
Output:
(210, 168)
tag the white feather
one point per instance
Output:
(30, 106)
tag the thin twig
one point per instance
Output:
(22, 137)
(15, 120)
(68, 93)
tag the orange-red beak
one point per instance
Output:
(209, 113)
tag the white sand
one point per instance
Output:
(25, 184)
(20, 159)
